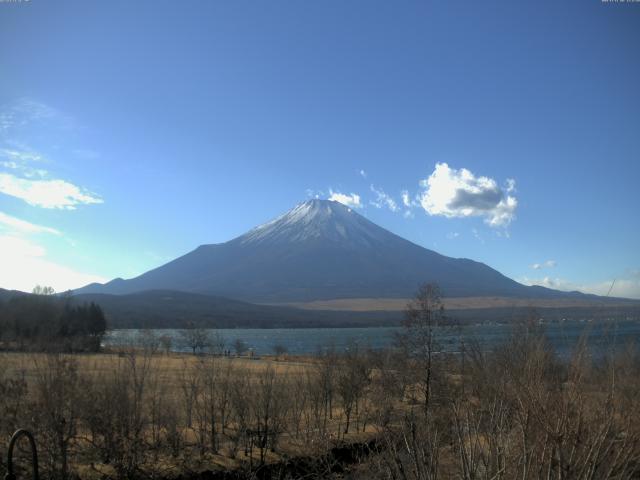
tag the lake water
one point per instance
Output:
(301, 341)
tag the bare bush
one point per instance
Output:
(56, 413)
(353, 376)
(13, 399)
(116, 416)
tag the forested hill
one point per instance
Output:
(49, 322)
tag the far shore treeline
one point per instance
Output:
(45, 321)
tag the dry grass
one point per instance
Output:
(171, 365)
(164, 380)
(516, 412)
(462, 303)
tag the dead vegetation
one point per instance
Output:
(516, 412)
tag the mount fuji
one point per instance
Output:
(321, 250)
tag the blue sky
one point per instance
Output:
(507, 132)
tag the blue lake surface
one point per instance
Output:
(602, 336)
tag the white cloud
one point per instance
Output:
(408, 204)
(46, 193)
(314, 193)
(20, 158)
(363, 174)
(350, 200)
(624, 287)
(382, 200)
(23, 226)
(20, 155)
(477, 235)
(26, 111)
(25, 178)
(459, 193)
(547, 264)
(406, 201)
(452, 235)
(24, 266)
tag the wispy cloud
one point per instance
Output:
(547, 264)
(22, 156)
(409, 204)
(46, 193)
(406, 200)
(86, 153)
(459, 193)
(311, 193)
(477, 235)
(16, 224)
(21, 159)
(363, 174)
(350, 200)
(23, 169)
(26, 112)
(383, 200)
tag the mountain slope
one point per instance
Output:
(173, 309)
(320, 250)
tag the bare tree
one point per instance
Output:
(217, 343)
(148, 340)
(43, 290)
(326, 369)
(57, 390)
(197, 339)
(299, 402)
(115, 413)
(423, 315)
(279, 350)
(166, 342)
(353, 375)
(269, 410)
(240, 405)
(240, 346)
(13, 397)
(190, 389)
(212, 402)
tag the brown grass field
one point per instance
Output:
(462, 303)
(516, 412)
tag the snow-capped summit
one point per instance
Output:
(320, 249)
(322, 220)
